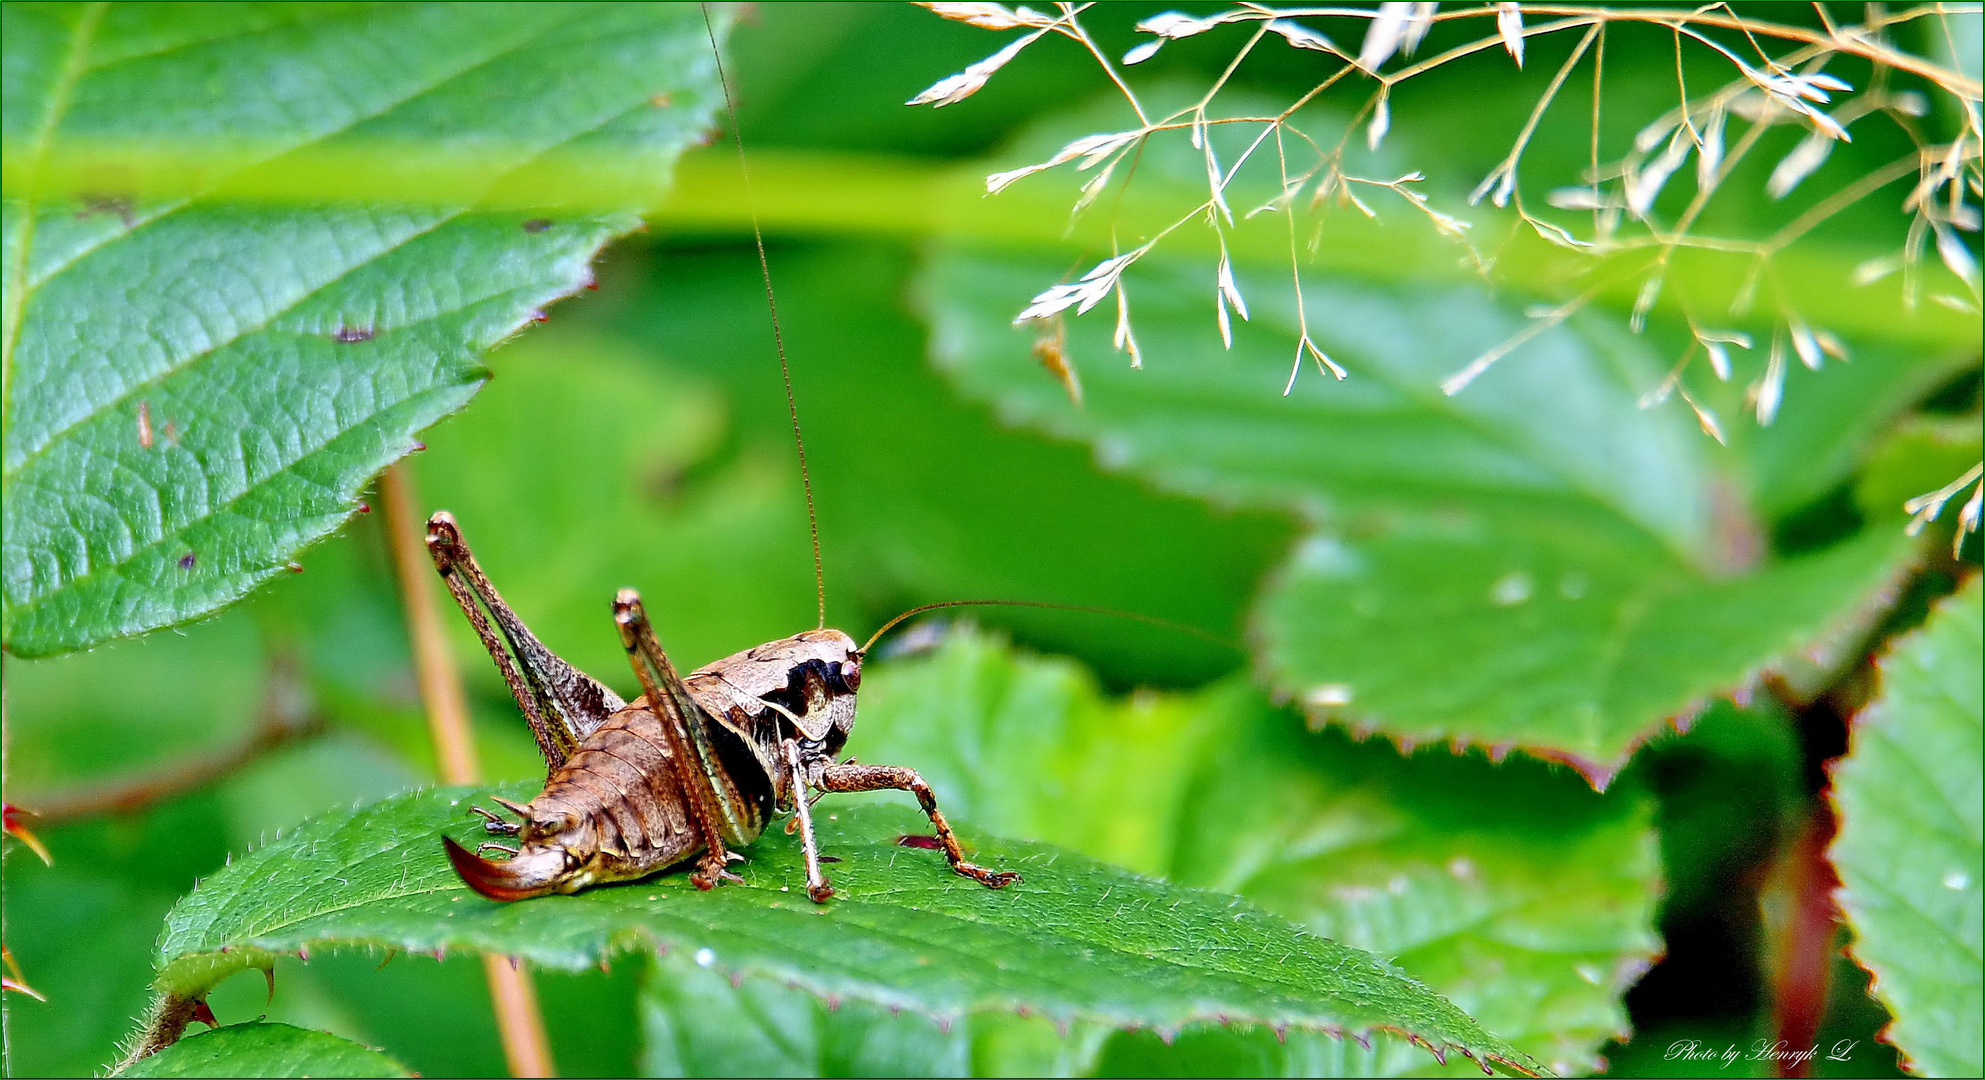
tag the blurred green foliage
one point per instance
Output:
(641, 439)
(1533, 562)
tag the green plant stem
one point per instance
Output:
(812, 193)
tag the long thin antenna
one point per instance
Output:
(772, 305)
(1152, 620)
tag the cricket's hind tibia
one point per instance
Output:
(561, 703)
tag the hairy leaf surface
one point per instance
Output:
(197, 387)
(266, 1050)
(1535, 562)
(1077, 940)
(1911, 850)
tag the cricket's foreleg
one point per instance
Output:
(810, 800)
(561, 703)
(669, 700)
(847, 778)
(817, 888)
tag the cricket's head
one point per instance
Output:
(825, 683)
(558, 850)
(809, 679)
(822, 671)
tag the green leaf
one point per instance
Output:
(197, 388)
(1535, 562)
(1534, 636)
(1520, 890)
(1512, 888)
(1076, 940)
(697, 1022)
(1911, 850)
(266, 1050)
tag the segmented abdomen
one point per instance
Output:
(622, 780)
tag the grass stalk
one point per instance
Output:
(525, 1045)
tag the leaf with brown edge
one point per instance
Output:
(1909, 852)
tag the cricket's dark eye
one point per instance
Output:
(850, 676)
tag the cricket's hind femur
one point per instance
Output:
(534, 871)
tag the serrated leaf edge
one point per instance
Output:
(189, 977)
(1600, 774)
(1839, 896)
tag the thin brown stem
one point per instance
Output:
(1802, 923)
(1074, 30)
(1955, 81)
(440, 685)
(171, 1014)
(1598, 80)
(518, 1020)
(1682, 93)
(1483, 44)
(1841, 200)
(525, 1046)
(1232, 66)
(1508, 166)
(132, 796)
(1677, 237)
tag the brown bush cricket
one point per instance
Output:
(691, 769)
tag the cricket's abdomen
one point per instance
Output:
(621, 781)
(616, 811)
